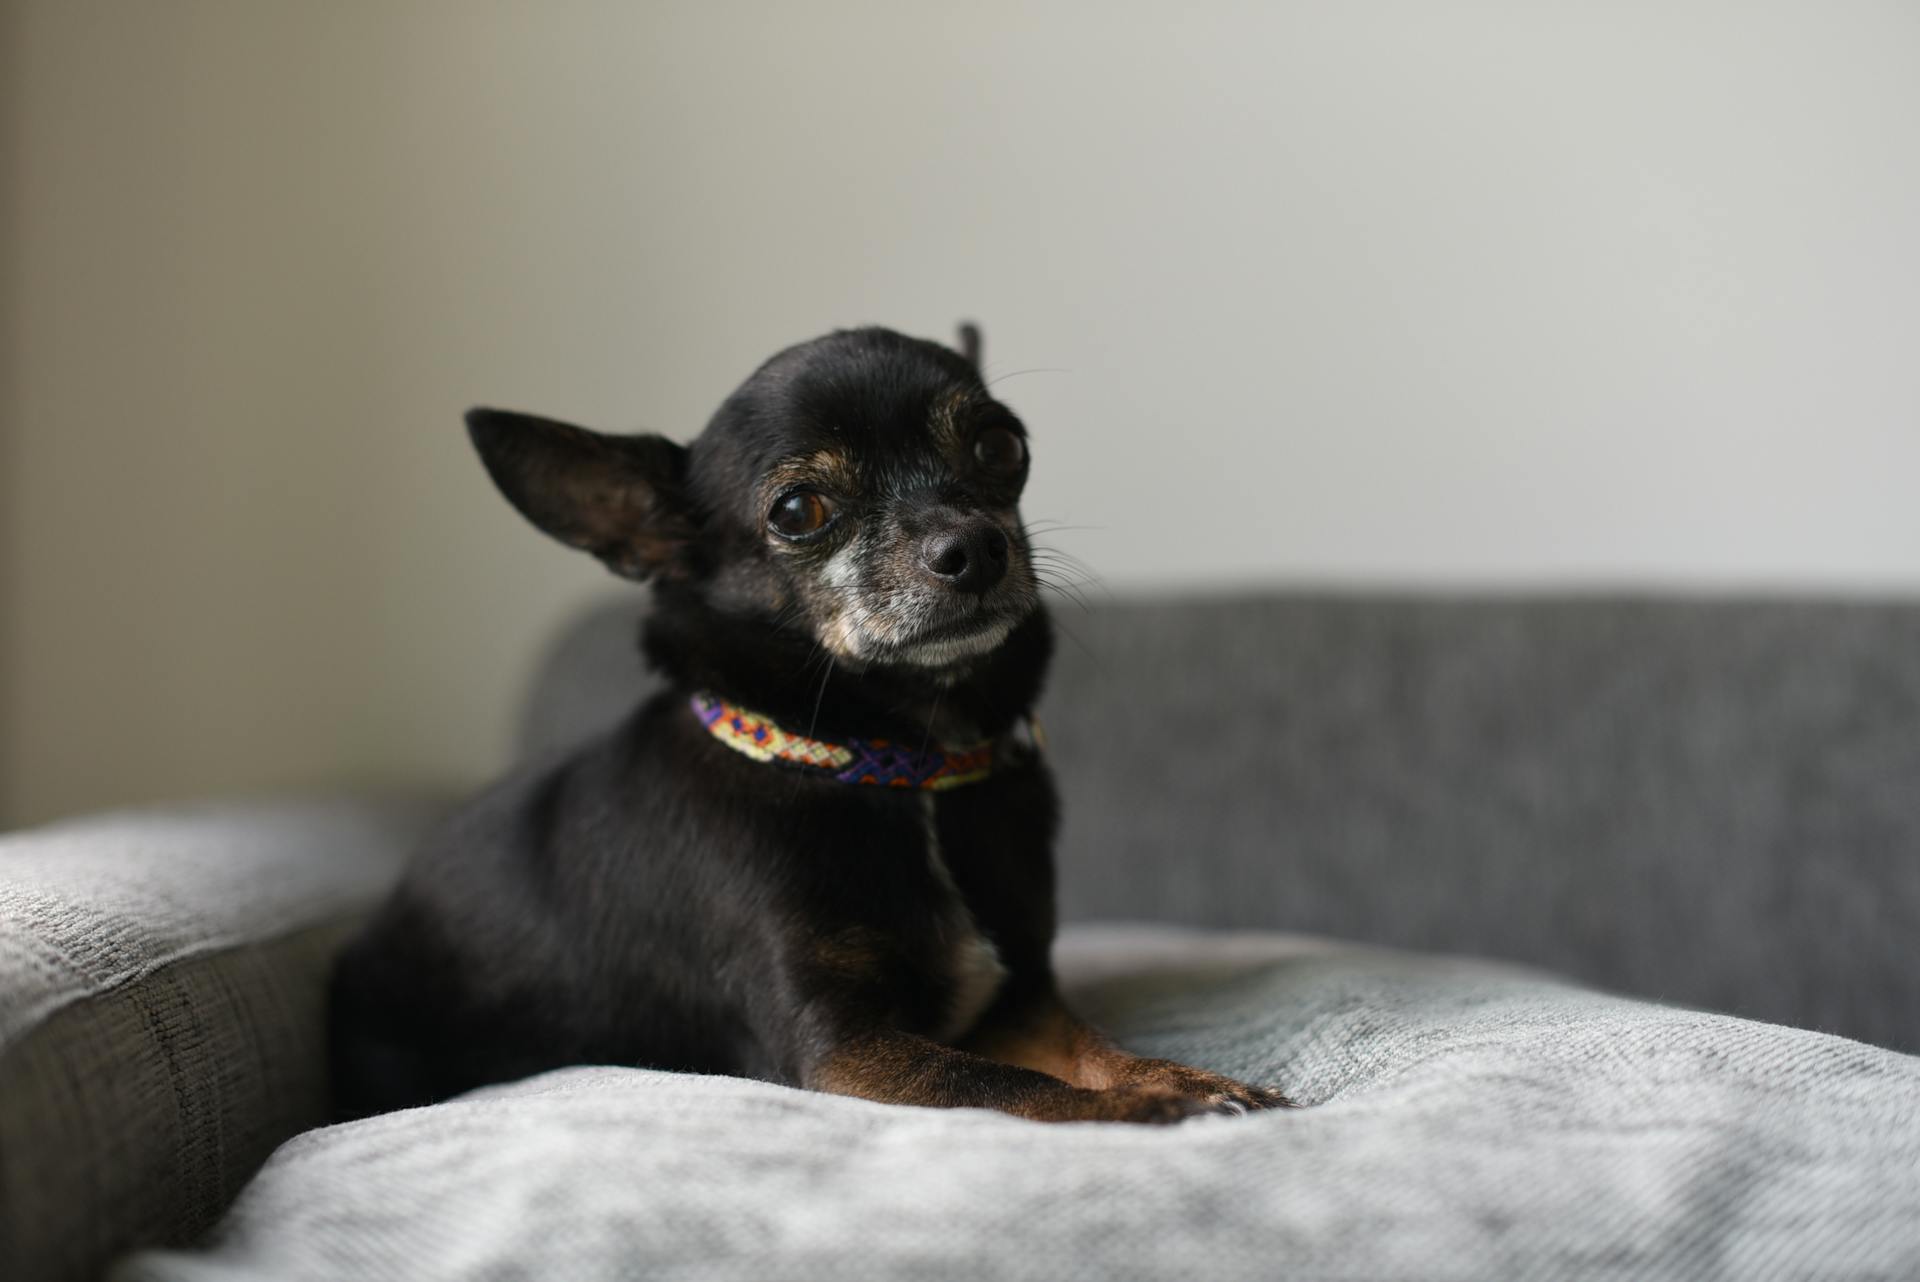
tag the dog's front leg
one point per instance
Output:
(903, 1068)
(1036, 1030)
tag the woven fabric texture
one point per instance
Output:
(1465, 1121)
(868, 762)
(1715, 802)
(161, 1022)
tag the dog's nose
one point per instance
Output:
(971, 558)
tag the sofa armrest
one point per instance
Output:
(162, 1003)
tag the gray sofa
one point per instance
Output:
(1584, 927)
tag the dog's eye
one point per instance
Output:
(999, 449)
(800, 513)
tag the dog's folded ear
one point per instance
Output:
(969, 343)
(619, 497)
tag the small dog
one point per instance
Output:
(822, 856)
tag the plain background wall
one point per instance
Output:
(1451, 295)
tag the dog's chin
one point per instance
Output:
(951, 648)
(939, 644)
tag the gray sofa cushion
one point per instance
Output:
(1466, 1121)
(1715, 802)
(161, 990)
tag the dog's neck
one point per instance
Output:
(785, 676)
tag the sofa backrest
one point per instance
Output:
(1712, 802)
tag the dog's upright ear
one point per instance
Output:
(969, 344)
(619, 497)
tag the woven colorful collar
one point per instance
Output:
(882, 762)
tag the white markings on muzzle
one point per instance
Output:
(868, 624)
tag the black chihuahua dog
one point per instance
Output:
(823, 855)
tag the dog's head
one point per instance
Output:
(864, 485)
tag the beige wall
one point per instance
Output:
(1439, 294)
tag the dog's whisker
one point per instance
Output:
(1036, 369)
(1058, 575)
(819, 699)
(1074, 637)
(1078, 569)
(1060, 568)
(1045, 553)
(932, 716)
(1073, 595)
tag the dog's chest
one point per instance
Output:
(971, 964)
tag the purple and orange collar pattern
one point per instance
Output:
(880, 762)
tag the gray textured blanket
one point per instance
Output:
(1465, 1120)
